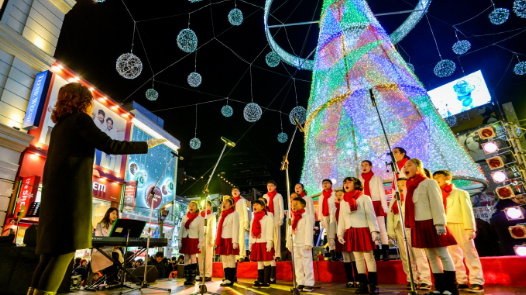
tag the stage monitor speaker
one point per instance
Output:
(151, 274)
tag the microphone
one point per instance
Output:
(373, 98)
(228, 142)
(298, 124)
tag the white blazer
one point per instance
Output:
(267, 231)
(211, 224)
(278, 208)
(363, 217)
(332, 208)
(303, 235)
(242, 210)
(196, 230)
(460, 209)
(428, 202)
(392, 219)
(376, 185)
(230, 228)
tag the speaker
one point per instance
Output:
(151, 274)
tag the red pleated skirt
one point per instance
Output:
(358, 239)
(378, 210)
(259, 252)
(425, 236)
(339, 246)
(226, 247)
(189, 246)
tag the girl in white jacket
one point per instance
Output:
(358, 231)
(191, 235)
(207, 255)
(261, 243)
(349, 262)
(227, 240)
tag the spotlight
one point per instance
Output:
(486, 132)
(520, 250)
(495, 162)
(518, 231)
(490, 147)
(505, 192)
(499, 176)
(514, 213)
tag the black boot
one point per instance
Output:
(193, 273)
(355, 271)
(364, 284)
(385, 253)
(373, 283)
(229, 276)
(261, 278)
(348, 272)
(333, 256)
(377, 253)
(266, 282)
(439, 284)
(450, 282)
(272, 275)
(187, 275)
(234, 278)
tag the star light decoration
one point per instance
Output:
(519, 7)
(272, 59)
(252, 112)
(227, 111)
(499, 16)
(444, 68)
(187, 40)
(235, 17)
(195, 143)
(461, 47)
(520, 68)
(194, 79)
(152, 94)
(283, 137)
(300, 113)
(129, 66)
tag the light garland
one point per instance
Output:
(235, 17)
(187, 40)
(283, 137)
(129, 66)
(227, 111)
(252, 112)
(194, 79)
(300, 113)
(152, 94)
(272, 59)
(461, 47)
(195, 143)
(520, 68)
(444, 68)
(499, 16)
(519, 7)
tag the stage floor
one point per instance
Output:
(282, 288)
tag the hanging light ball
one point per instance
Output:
(235, 17)
(194, 79)
(520, 68)
(187, 40)
(252, 112)
(499, 16)
(272, 59)
(461, 47)
(411, 67)
(195, 143)
(227, 111)
(283, 137)
(519, 7)
(152, 94)
(300, 113)
(194, 1)
(129, 66)
(444, 68)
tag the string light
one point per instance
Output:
(152, 94)
(194, 79)
(235, 17)
(519, 7)
(272, 59)
(187, 40)
(520, 68)
(129, 66)
(252, 112)
(283, 137)
(461, 47)
(300, 113)
(444, 68)
(195, 143)
(499, 16)
(227, 111)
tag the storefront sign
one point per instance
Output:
(106, 190)
(130, 192)
(28, 191)
(37, 100)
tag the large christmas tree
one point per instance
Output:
(355, 55)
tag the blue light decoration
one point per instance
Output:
(272, 59)
(37, 99)
(194, 79)
(195, 143)
(141, 177)
(283, 137)
(194, 1)
(152, 94)
(129, 66)
(252, 112)
(411, 67)
(444, 68)
(461, 47)
(187, 40)
(235, 17)
(499, 16)
(298, 112)
(520, 68)
(519, 7)
(227, 111)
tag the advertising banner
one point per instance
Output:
(28, 191)
(37, 100)
(106, 190)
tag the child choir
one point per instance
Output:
(436, 217)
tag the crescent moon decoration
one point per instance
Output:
(308, 64)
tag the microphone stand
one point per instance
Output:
(394, 169)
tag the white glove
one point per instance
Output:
(269, 246)
(376, 236)
(247, 226)
(471, 234)
(332, 243)
(341, 240)
(386, 209)
(180, 243)
(235, 245)
(441, 230)
(199, 245)
(155, 142)
(280, 223)
(308, 247)
(393, 237)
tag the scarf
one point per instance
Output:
(351, 197)
(256, 224)
(337, 211)
(235, 201)
(367, 178)
(326, 196)
(394, 208)
(208, 212)
(401, 164)
(303, 194)
(296, 218)
(446, 191)
(271, 196)
(409, 205)
(224, 214)
(191, 218)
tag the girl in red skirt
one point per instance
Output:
(348, 259)
(261, 243)
(191, 235)
(227, 240)
(358, 231)
(425, 215)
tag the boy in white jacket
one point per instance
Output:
(326, 211)
(210, 235)
(275, 204)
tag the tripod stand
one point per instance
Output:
(394, 169)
